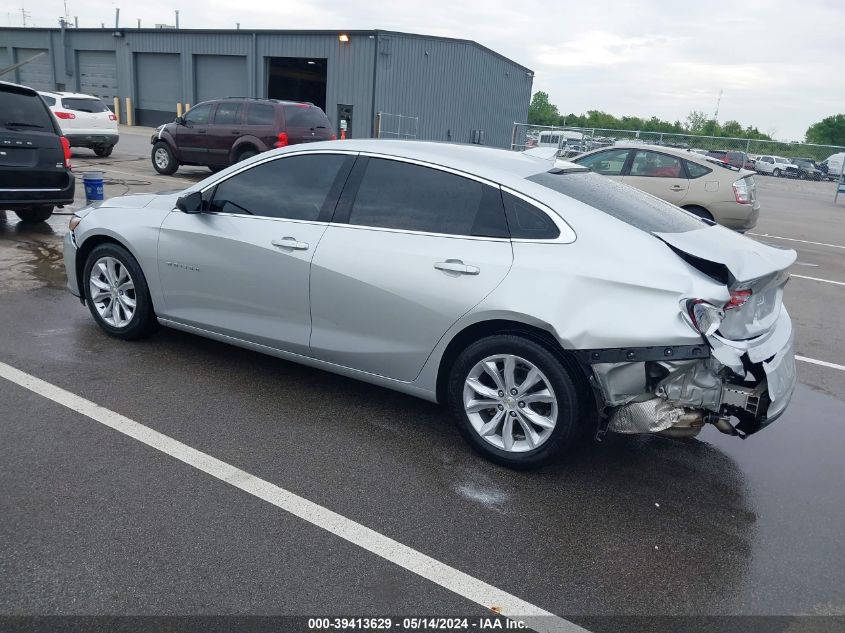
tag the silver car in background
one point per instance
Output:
(541, 302)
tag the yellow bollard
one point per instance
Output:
(117, 109)
(178, 109)
(129, 117)
(187, 108)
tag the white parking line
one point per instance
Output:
(792, 239)
(823, 363)
(416, 562)
(827, 281)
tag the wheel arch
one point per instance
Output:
(246, 142)
(88, 245)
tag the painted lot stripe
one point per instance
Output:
(827, 281)
(792, 239)
(429, 568)
(823, 363)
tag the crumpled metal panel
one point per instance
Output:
(697, 386)
(649, 416)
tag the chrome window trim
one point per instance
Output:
(422, 163)
(30, 191)
(381, 229)
(262, 217)
(567, 234)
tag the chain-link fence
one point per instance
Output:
(396, 125)
(572, 141)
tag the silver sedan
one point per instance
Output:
(541, 302)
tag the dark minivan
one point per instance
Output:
(222, 132)
(35, 175)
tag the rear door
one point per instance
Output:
(415, 250)
(306, 123)
(224, 129)
(261, 123)
(662, 175)
(192, 134)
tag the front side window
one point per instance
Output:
(398, 195)
(228, 113)
(607, 163)
(293, 188)
(199, 115)
(654, 165)
(260, 114)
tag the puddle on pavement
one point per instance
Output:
(30, 256)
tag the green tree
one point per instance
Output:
(696, 121)
(828, 131)
(541, 111)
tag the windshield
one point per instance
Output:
(801, 162)
(627, 204)
(24, 110)
(84, 105)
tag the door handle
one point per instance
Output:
(677, 188)
(236, 131)
(291, 243)
(457, 266)
(201, 131)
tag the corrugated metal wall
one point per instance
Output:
(454, 87)
(220, 76)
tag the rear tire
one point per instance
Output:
(552, 401)
(114, 295)
(776, 173)
(35, 214)
(246, 153)
(163, 159)
(103, 151)
(802, 175)
(700, 212)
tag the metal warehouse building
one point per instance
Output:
(429, 87)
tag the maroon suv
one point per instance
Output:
(224, 131)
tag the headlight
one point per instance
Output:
(74, 222)
(704, 316)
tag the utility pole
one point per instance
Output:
(177, 18)
(24, 15)
(718, 103)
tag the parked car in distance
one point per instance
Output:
(776, 166)
(454, 273)
(35, 174)
(85, 120)
(222, 132)
(704, 186)
(833, 165)
(731, 157)
(808, 169)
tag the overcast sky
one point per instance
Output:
(779, 62)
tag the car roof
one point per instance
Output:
(73, 95)
(18, 87)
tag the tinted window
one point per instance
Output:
(294, 188)
(304, 115)
(399, 195)
(50, 101)
(199, 115)
(656, 165)
(609, 163)
(25, 109)
(84, 105)
(260, 114)
(526, 221)
(697, 171)
(228, 113)
(624, 203)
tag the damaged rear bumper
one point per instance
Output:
(748, 381)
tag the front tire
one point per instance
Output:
(776, 173)
(117, 294)
(514, 401)
(163, 159)
(35, 214)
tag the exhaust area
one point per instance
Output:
(657, 415)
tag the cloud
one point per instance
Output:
(598, 48)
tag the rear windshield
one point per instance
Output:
(305, 116)
(630, 205)
(84, 105)
(24, 110)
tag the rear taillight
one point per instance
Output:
(283, 140)
(334, 137)
(112, 117)
(738, 299)
(704, 316)
(65, 115)
(742, 191)
(66, 149)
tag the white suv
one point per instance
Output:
(775, 166)
(85, 120)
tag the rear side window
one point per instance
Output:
(697, 171)
(50, 101)
(526, 221)
(260, 114)
(228, 113)
(84, 105)
(293, 188)
(656, 165)
(397, 195)
(24, 110)
(624, 203)
(304, 115)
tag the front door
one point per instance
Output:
(192, 134)
(242, 267)
(416, 250)
(659, 174)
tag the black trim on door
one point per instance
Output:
(344, 204)
(338, 188)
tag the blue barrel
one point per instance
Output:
(93, 181)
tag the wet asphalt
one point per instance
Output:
(92, 522)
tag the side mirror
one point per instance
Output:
(180, 120)
(190, 202)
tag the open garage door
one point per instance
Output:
(98, 74)
(297, 79)
(37, 74)
(159, 87)
(218, 76)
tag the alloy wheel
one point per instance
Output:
(510, 403)
(112, 291)
(162, 158)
